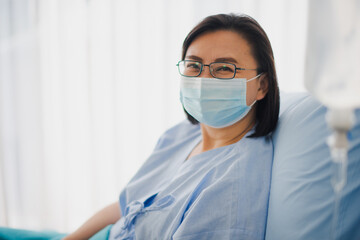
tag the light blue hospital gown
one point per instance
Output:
(219, 194)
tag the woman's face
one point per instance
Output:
(227, 46)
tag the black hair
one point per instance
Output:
(267, 109)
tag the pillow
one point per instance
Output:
(302, 200)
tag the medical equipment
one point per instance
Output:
(333, 76)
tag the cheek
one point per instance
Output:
(251, 92)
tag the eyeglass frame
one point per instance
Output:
(208, 65)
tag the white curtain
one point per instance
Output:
(88, 86)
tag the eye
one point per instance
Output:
(224, 68)
(194, 66)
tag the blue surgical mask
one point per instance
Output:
(214, 102)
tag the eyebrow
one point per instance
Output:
(193, 57)
(226, 59)
(223, 59)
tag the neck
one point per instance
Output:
(219, 137)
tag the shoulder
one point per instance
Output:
(250, 158)
(170, 146)
(182, 130)
(254, 149)
(258, 145)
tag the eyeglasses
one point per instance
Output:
(220, 70)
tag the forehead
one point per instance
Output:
(221, 44)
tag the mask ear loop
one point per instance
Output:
(258, 88)
(254, 77)
(253, 103)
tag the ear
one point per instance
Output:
(263, 86)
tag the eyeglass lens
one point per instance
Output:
(218, 70)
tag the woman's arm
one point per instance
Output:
(106, 216)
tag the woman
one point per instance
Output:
(209, 180)
(209, 176)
